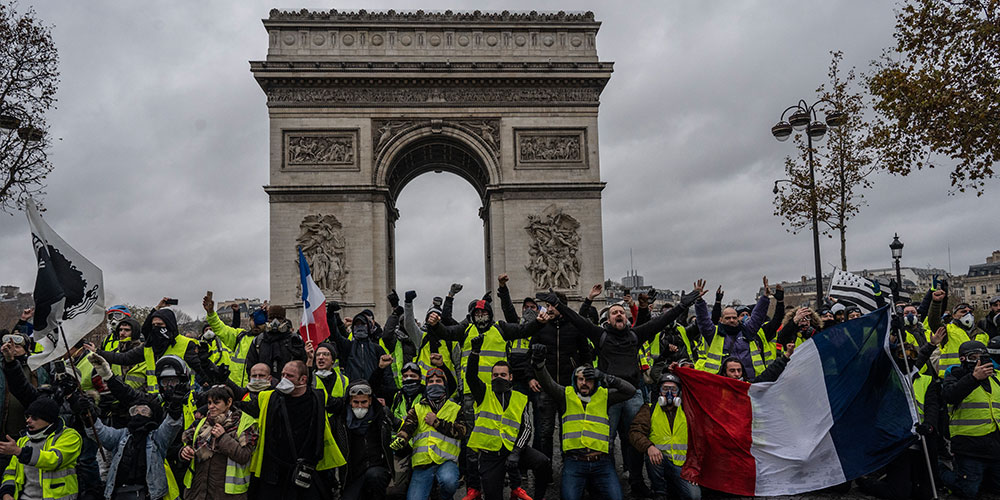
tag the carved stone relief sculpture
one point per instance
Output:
(323, 244)
(319, 150)
(554, 243)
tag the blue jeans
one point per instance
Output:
(423, 479)
(621, 416)
(666, 479)
(597, 477)
(970, 474)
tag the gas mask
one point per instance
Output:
(670, 396)
(481, 319)
(968, 320)
(278, 325)
(911, 319)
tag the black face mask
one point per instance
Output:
(140, 424)
(162, 332)
(412, 387)
(501, 385)
(360, 332)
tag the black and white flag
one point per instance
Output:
(69, 292)
(851, 289)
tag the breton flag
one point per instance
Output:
(69, 292)
(851, 289)
(839, 410)
(313, 326)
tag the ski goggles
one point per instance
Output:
(14, 339)
(143, 410)
(360, 390)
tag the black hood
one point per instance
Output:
(168, 317)
(136, 328)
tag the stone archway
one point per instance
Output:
(360, 103)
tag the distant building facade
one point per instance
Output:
(983, 282)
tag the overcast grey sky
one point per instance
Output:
(164, 150)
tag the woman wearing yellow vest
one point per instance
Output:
(660, 432)
(43, 463)
(586, 427)
(437, 434)
(219, 448)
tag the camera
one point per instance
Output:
(302, 474)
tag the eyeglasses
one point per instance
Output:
(360, 390)
(143, 410)
(15, 339)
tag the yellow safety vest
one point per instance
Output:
(494, 349)
(424, 356)
(920, 385)
(496, 426)
(672, 441)
(429, 445)
(949, 349)
(178, 349)
(978, 414)
(397, 361)
(586, 428)
(56, 466)
(339, 388)
(237, 476)
(332, 457)
(86, 374)
(693, 348)
(760, 359)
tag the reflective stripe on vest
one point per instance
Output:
(496, 426)
(178, 348)
(586, 428)
(494, 349)
(429, 445)
(715, 353)
(978, 414)
(672, 441)
(237, 476)
(424, 356)
(332, 456)
(56, 484)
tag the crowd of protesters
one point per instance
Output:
(416, 407)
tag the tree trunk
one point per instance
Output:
(843, 246)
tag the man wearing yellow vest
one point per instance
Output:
(427, 345)
(962, 328)
(502, 434)
(437, 434)
(660, 432)
(972, 392)
(160, 332)
(586, 427)
(744, 340)
(43, 463)
(238, 340)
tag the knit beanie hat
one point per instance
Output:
(44, 408)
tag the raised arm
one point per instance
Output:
(506, 304)
(649, 329)
(705, 324)
(476, 385)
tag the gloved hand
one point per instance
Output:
(221, 374)
(410, 295)
(175, 401)
(924, 429)
(538, 352)
(393, 299)
(100, 365)
(690, 298)
(591, 373)
(549, 297)
(397, 444)
(477, 343)
(333, 305)
(80, 404)
(779, 292)
(488, 296)
(719, 293)
(455, 288)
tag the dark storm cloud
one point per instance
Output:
(164, 150)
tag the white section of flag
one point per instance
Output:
(850, 288)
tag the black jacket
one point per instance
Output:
(566, 349)
(380, 426)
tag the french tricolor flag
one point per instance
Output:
(313, 326)
(839, 410)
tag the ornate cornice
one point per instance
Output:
(421, 16)
(533, 68)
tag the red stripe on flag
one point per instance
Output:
(317, 331)
(719, 419)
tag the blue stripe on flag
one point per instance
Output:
(871, 417)
(303, 274)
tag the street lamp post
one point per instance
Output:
(804, 118)
(897, 253)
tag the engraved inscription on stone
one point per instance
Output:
(554, 243)
(321, 150)
(550, 147)
(323, 244)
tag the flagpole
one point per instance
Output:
(909, 382)
(90, 420)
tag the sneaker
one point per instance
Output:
(519, 493)
(472, 494)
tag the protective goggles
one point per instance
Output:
(360, 390)
(116, 315)
(14, 339)
(283, 326)
(143, 410)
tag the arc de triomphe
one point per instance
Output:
(360, 103)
